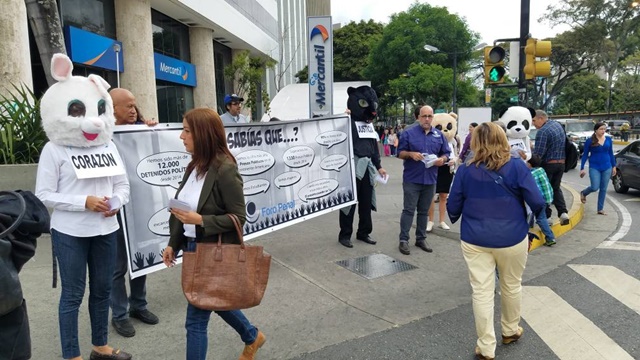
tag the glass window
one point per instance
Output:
(174, 101)
(222, 58)
(170, 37)
(96, 16)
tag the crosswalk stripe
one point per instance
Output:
(614, 281)
(569, 334)
(619, 245)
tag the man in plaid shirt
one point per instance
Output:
(540, 176)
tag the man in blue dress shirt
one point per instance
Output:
(423, 148)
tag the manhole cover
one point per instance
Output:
(375, 266)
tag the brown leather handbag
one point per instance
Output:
(223, 277)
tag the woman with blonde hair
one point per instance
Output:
(489, 192)
(212, 185)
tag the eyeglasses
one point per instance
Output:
(234, 103)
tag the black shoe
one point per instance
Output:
(404, 248)
(123, 327)
(145, 316)
(424, 245)
(367, 239)
(116, 355)
(345, 242)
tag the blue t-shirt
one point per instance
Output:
(415, 139)
(600, 157)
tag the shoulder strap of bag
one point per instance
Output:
(497, 178)
(236, 222)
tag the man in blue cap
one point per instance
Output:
(233, 105)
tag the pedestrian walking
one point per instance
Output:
(598, 150)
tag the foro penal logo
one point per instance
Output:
(319, 30)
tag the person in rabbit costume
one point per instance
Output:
(448, 124)
(517, 120)
(82, 177)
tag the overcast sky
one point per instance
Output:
(492, 19)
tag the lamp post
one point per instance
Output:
(454, 101)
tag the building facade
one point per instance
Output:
(171, 54)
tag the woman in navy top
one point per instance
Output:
(494, 230)
(602, 165)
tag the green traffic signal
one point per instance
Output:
(496, 73)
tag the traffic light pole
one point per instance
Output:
(455, 85)
(525, 6)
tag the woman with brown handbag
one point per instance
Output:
(213, 186)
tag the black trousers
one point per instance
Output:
(364, 191)
(554, 173)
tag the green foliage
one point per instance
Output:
(501, 99)
(626, 93)
(302, 76)
(352, 44)
(248, 73)
(403, 41)
(584, 93)
(21, 134)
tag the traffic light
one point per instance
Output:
(494, 65)
(537, 48)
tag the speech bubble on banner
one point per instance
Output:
(257, 186)
(331, 138)
(159, 222)
(299, 156)
(163, 169)
(317, 189)
(254, 162)
(333, 162)
(287, 179)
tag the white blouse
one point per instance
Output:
(190, 194)
(58, 187)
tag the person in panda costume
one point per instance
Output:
(517, 120)
(82, 178)
(448, 124)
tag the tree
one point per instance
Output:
(45, 25)
(403, 41)
(584, 93)
(352, 44)
(302, 76)
(627, 92)
(248, 73)
(608, 26)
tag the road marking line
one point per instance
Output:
(625, 226)
(614, 281)
(619, 245)
(568, 333)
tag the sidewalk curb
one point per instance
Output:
(576, 213)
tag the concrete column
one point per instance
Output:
(15, 61)
(133, 28)
(201, 41)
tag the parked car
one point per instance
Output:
(578, 130)
(628, 168)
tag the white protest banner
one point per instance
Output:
(292, 172)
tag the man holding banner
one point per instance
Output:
(363, 104)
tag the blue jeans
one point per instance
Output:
(198, 321)
(599, 181)
(542, 221)
(416, 196)
(75, 255)
(138, 298)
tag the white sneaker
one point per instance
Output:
(444, 226)
(564, 219)
(429, 226)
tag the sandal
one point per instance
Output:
(601, 212)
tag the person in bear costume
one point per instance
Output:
(363, 106)
(82, 177)
(517, 120)
(448, 125)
